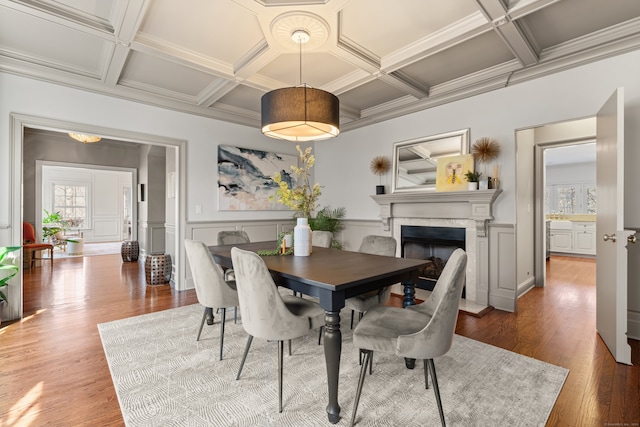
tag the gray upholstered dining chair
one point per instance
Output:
(376, 245)
(266, 313)
(424, 331)
(233, 237)
(321, 238)
(212, 290)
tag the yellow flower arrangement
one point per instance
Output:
(302, 198)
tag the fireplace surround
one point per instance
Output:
(467, 210)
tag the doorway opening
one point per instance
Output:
(175, 162)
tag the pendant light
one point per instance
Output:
(300, 113)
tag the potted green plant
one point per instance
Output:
(472, 179)
(7, 271)
(328, 219)
(52, 224)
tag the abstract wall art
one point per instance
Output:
(244, 178)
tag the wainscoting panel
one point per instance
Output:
(157, 234)
(354, 230)
(502, 273)
(105, 230)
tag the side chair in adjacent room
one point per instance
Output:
(32, 248)
(376, 245)
(212, 290)
(424, 331)
(266, 313)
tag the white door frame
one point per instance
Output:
(19, 122)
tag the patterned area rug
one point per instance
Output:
(164, 377)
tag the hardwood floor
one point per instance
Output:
(53, 369)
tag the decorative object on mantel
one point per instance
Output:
(472, 179)
(415, 162)
(380, 165)
(484, 150)
(451, 170)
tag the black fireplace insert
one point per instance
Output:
(434, 244)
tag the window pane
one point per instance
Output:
(566, 200)
(591, 200)
(71, 202)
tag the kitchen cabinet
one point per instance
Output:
(573, 237)
(584, 238)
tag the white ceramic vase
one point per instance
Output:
(302, 238)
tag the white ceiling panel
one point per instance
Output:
(218, 29)
(476, 54)
(382, 58)
(53, 45)
(388, 29)
(144, 70)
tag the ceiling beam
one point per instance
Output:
(509, 31)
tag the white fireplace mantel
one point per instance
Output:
(469, 209)
(473, 205)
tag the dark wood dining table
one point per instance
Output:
(332, 276)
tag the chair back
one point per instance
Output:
(233, 237)
(321, 238)
(264, 313)
(378, 245)
(436, 337)
(208, 277)
(28, 233)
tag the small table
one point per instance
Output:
(332, 276)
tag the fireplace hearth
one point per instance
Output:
(434, 244)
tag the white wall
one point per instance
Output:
(572, 173)
(105, 201)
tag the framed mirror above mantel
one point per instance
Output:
(415, 161)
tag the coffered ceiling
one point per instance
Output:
(382, 58)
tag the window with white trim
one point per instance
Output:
(71, 200)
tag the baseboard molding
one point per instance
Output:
(502, 303)
(526, 286)
(633, 325)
